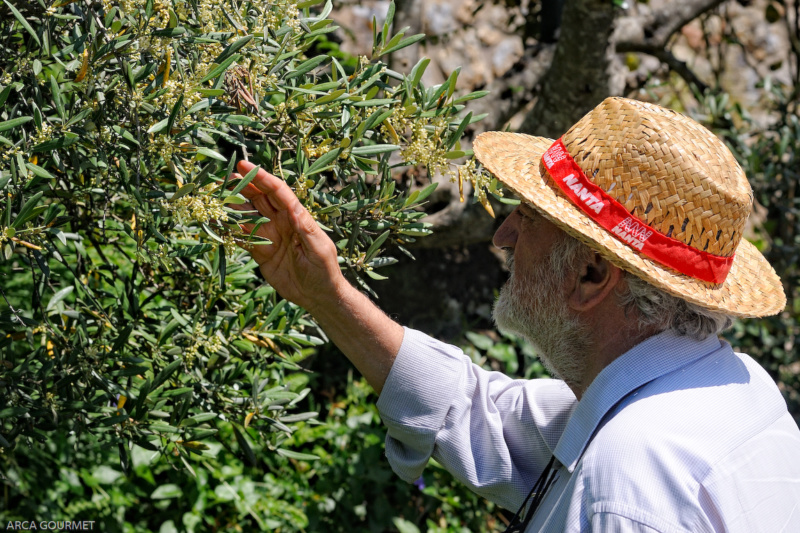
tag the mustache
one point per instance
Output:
(510, 261)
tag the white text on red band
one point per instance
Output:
(632, 232)
(592, 202)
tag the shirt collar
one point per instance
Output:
(653, 358)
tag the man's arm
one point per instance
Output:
(493, 433)
(302, 265)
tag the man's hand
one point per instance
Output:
(302, 265)
(301, 262)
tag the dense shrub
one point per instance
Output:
(130, 318)
(770, 157)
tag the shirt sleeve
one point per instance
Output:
(492, 433)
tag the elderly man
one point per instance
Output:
(627, 260)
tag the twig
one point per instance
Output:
(669, 59)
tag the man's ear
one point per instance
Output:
(595, 280)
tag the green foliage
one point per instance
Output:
(510, 354)
(351, 485)
(130, 319)
(769, 156)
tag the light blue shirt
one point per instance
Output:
(675, 435)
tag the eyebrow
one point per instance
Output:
(528, 212)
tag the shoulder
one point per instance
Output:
(699, 412)
(658, 447)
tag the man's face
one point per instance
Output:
(533, 301)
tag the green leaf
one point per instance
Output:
(306, 67)
(210, 232)
(26, 210)
(39, 171)
(408, 41)
(158, 126)
(404, 526)
(183, 191)
(375, 275)
(331, 97)
(174, 114)
(163, 427)
(12, 411)
(245, 180)
(208, 152)
(190, 251)
(54, 88)
(299, 417)
(24, 22)
(239, 120)
(175, 392)
(322, 162)
(60, 295)
(481, 342)
(223, 267)
(418, 71)
(208, 93)
(170, 32)
(376, 244)
(389, 16)
(297, 455)
(111, 420)
(166, 373)
(166, 492)
(198, 419)
(471, 96)
(424, 193)
(233, 48)
(373, 103)
(222, 67)
(374, 149)
(4, 94)
(13, 123)
(244, 446)
(67, 139)
(451, 82)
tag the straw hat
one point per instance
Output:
(654, 192)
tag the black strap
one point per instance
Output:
(538, 491)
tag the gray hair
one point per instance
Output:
(655, 307)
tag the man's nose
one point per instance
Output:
(506, 235)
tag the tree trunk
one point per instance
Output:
(584, 70)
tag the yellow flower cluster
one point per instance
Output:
(202, 208)
(282, 11)
(162, 146)
(313, 151)
(482, 182)
(230, 246)
(425, 146)
(7, 154)
(301, 187)
(126, 6)
(209, 344)
(44, 134)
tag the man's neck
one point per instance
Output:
(607, 347)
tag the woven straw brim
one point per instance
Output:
(751, 289)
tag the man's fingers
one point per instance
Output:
(249, 191)
(280, 195)
(274, 198)
(263, 180)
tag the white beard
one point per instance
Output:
(536, 309)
